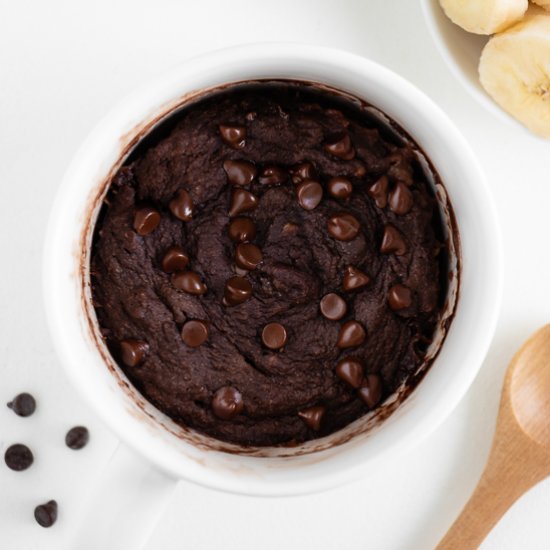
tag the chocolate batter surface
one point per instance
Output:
(280, 366)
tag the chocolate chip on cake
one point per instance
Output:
(400, 199)
(247, 256)
(352, 334)
(239, 172)
(393, 241)
(340, 187)
(343, 227)
(354, 278)
(332, 306)
(303, 171)
(182, 206)
(371, 390)
(146, 220)
(174, 259)
(399, 297)
(350, 370)
(242, 201)
(241, 230)
(132, 352)
(340, 146)
(272, 175)
(194, 333)
(274, 336)
(379, 191)
(237, 290)
(189, 282)
(234, 136)
(313, 416)
(227, 403)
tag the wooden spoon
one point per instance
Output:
(520, 456)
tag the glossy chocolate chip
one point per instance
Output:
(247, 256)
(237, 290)
(77, 438)
(272, 175)
(227, 403)
(194, 333)
(333, 307)
(189, 281)
(379, 192)
(23, 404)
(18, 457)
(303, 171)
(239, 172)
(46, 514)
(340, 146)
(241, 230)
(400, 199)
(274, 336)
(310, 194)
(174, 259)
(350, 370)
(132, 352)
(340, 187)
(146, 220)
(371, 390)
(352, 334)
(232, 135)
(181, 205)
(242, 201)
(343, 227)
(354, 278)
(399, 297)
(313, 416)
(393, 241)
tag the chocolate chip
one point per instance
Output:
(272, 175)
(242, 201)
(23, 404)
(340, 187)
(309, 194)
(234, 136)
(313, 417)
(46, 514)
(354, 278)
(247, 256)
(146, 220)
(241, 230)
(351, 334)
(340, 146)
(132, 352)
(77, 438)
(350, 371)
(189, 282)
(194, 333)
(399, 297)
(239, 172)
(379, 192)
(371, 390)
(237, 290)
(343, 227)
(181, 205)
(393, 241)
(333, 307)
(18, 457)
(174, 259)
(227, 403)
(303, 171)
(274, 336)
(400, 199)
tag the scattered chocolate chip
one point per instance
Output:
(393, 241)
(174, 259)
(379, 192)
(340, 187)
(371, 390)
(350, 371)
(333, 307)
(354, 278)
(399, 297)
(194, 333)
(352, 334)
(239, 172)
(242, 201)
(146, 220)
(18, 457)
(237, 290)
(77, 438)
(234, 136)
(340, 146)
(313, 417)
(23, 404)
(274, 336)
(247, 256)
(181, 205)
(189, 282)
(227, 403)
(309, 194)
(272, 175)
(343, 227)
(303, 171)
(46, 514)
(241, 230)
(132, 352)
(400, 199)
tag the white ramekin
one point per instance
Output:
(153, 435)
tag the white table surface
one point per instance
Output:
(63, 64)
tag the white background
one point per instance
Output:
(62, 66)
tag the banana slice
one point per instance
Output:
(515, 70)
(485, 16)
(544, 3)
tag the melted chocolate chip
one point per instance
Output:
(393, 241)
(340, 187)
(340, 146)
(239, 172)
(174, 259)
(274, 336)
(371, 390)
(132, 352)
(77, 438)
(247, 256)
(146, 220)
(343, 227)
(333, 307)
(18, 457)
(234, 136)
(399, 297)
(242, 201)
(194, 333)
(227, 403)
(189, 282)
(379, 192)
(350, 370)
(46, 514)
(309, 194)
(272, 175)
(303, 171)
(400, 199)
(354, 278)
(23, 404)
(352, 334)
(241, 230)
(313, 417)
(237, 290)
(181, 205)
